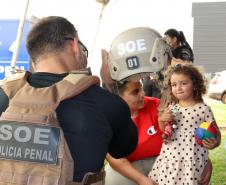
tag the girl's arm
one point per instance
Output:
(125, 168)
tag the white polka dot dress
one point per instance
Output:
(182, 160)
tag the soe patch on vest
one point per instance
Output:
(29, 142)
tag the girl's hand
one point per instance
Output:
(166, 116)
(210, 143)
(213, 143)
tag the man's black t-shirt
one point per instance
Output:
(94, 122)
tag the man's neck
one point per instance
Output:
(53, 64)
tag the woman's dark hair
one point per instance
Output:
(178, 34)
(194, 74)
(183, 52)
(121, 87)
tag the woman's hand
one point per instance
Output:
(147, 181)
(206, 174)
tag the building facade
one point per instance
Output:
(209, 37)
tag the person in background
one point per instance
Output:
(151, 85)
(180, 47)
(91, 127)
(182, 159)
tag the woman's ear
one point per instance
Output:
(174, 40)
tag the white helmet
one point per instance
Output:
(130, 53)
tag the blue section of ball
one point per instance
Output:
(200, 133)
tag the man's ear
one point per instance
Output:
(74, 46)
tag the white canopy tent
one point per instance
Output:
(100, 21)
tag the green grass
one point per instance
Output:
(218, 155)
(219, 111)
(218, 158)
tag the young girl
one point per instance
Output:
(181, 161)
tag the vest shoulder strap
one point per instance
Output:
(14, 82)
(73, 84)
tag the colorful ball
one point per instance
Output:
(204, 131)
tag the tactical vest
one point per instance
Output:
(33, 149)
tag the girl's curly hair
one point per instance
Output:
(195, 75)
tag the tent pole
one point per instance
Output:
(104, 3)
(18, 38)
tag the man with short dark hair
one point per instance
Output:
(94, 122)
